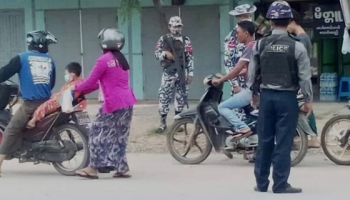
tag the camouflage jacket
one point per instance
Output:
(233, 51)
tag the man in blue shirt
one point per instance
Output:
(36, 71)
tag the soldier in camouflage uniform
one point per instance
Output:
(174, 51)
(234, 49)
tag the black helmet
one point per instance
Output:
(39, 40)
(111, 39)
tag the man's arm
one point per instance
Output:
(13, 67)
(159, 53)
(306, 41)
(242, 63)
(304, 71)
(91, 81)
(236, 70)
(189, 56)
(243, 71)
(253, 70)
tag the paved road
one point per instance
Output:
(160, 177)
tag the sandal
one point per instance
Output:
(86, 175)
(240, 136)
(244, 131)
(121, 175)
(29, 126)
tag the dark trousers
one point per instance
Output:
(12, 135)
(278, 117)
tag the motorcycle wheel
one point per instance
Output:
(2, 129)
(59, 166)
(182, 158)
(340, 137)
(303, 147)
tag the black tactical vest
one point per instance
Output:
(179, 48)
(277, 61)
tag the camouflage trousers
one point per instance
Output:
(171, 84)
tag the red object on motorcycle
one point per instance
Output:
(41, 127)
(1, 135)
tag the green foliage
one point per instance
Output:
(126, 8)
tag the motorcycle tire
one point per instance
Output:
(85, 161)
(303, 149)
(2, 129)
(323, 139)
(170, 139)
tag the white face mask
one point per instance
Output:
(67, 78)
(176, 31)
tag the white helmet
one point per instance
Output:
(175, 21)
(243, 9)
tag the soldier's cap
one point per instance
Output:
(243, 9)
(175, 21)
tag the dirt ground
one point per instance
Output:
(146, 119)
(142, 136)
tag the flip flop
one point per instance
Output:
(121, 175)
(87, 175)
(29, 127)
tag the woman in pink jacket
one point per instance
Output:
(110, 131)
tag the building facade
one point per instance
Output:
(76, 24)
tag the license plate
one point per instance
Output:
(83, 118)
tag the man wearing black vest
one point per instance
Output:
(174, 51)
(281, 66)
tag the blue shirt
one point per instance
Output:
(36, 75)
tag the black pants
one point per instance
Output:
(278, 116)
(12, 136)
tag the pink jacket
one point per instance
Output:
(114, 83)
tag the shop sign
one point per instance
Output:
(328, 21)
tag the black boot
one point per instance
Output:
(162, 127)
(256, 189)
(180, 129)
(289, 190)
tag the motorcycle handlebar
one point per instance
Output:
(14, 97)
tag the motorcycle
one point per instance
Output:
(335, 139)
(59, 138)
(210, 129)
